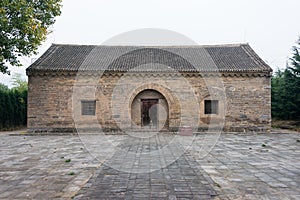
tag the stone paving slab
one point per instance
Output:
(255, 166)
(35, 167)
(240, 166)
(166, 183)
(135, 171)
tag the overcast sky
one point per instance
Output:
(271, 27)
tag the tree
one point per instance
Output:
(19, 99)
(286, 89)
(295, 60)
(295, 76)
(19, 83)
(277, 93)
(13, 104)
(24, 25)
(3, 88)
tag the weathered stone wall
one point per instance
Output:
(54, 102)
(248, 101)
(49, 103)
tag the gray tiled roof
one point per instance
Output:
(223, 58)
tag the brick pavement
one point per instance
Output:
(35, 167)
(255, 166)
(240, 166)
(135, 171)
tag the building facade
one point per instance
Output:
(161, 88)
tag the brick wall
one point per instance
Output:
(54, 101)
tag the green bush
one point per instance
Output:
(13, 107)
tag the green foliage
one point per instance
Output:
(24, 25)
(19, 83)
(295, 61)
(13, 106)
(286, 89)
(3, 87)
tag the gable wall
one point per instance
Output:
(248, 102)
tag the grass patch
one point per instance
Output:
(16, 128)
(286, 124)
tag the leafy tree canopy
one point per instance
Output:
(3, 88)
(24, 25)
(19, 83)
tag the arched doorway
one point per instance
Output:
(150, 110)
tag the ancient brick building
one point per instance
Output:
(118, 88)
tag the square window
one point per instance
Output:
(211, 106)
(88, 107)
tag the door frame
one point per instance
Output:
(156, 101)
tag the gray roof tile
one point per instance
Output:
(223, 58)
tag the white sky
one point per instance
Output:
(271, 27)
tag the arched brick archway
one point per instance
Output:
(165, 100)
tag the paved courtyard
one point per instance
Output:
(153, 166)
